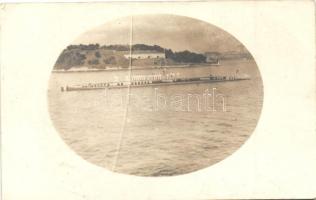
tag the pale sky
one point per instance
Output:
(169, 31)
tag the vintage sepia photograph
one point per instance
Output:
(155, 95)
(158, 100)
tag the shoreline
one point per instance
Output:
(139, 68)
(189, 65)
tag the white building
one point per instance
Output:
(212, 57)
(145, 55)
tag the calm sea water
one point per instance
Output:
(157, 131)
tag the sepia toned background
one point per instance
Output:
(278, 161)
(146, 137)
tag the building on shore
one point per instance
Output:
(145, 55)
(212, 57)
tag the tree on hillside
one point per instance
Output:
(144, 47)
(84, 47)
(116, 47)
(93, 62)
(68, 59)
(97, 54)
(110, 60)
(185, 56)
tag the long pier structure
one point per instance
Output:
(152, 80)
